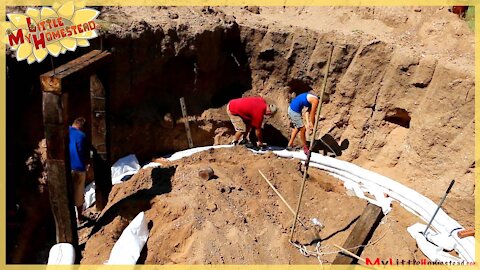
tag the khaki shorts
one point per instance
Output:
(78, 179)
(237, 121)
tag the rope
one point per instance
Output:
(319, 251)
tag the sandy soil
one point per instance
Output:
(236, 218)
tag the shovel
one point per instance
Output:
(439, 205)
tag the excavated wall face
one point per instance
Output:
(149, 74)
(411, 116)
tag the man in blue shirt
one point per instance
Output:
(78, 163)
(304, 100)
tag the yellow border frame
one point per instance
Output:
(5, 3)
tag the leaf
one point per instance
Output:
(54, 48)
(40, 54)
(66, 10)
(24, 50)
(47, 12)
(31, 59)
(33, 13)
(19, 20)
(69, 43)
(82, 43)
(84, 15)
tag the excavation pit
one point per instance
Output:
(397, 105)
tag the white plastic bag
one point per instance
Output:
(125, 166)
(61, 254)
(126, 250)
(89, 195)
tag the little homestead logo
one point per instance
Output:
(54, 30)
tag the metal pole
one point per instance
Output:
(311, 144)
(439, 205)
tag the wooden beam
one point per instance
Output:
(55, 117)
(100, 160)
(53, 81)
(361, 233)
(60, 187)
(187, 125)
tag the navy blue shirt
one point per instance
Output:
(77, 149)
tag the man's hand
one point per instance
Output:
(310, 128)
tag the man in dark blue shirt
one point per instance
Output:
(78, 163)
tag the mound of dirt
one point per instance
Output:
(236, 218)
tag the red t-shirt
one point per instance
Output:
(251, 109)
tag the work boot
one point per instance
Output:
(243, 141)
(291, 148)
(252, 146)
(262, 146)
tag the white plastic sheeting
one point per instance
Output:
(126, 250)
(89, 195)
(434, 249)
(359, 180)
(186, 153)
(61, 254)
(125, 166)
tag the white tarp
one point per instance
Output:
(126, 250)
(125, 166)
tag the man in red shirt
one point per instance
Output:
(249, 112)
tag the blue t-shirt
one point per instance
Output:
(78, 149)
(299, 102)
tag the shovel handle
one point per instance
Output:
(451, 185)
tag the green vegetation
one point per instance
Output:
(470, 17)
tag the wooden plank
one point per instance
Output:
(187, 125)
(100, 160)
(98, 116)
(361, 234)
(53, 81)
(58, 167)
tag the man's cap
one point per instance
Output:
(272, 108)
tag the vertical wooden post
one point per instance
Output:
(187, 125)
(58, 166)
(100, 159)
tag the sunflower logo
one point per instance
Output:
(49, 30)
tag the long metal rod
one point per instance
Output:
(319, 108)
(439, 205)
(281, 197)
